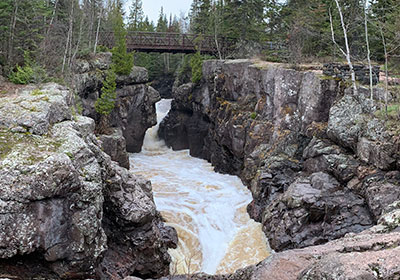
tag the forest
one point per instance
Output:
(46, 36)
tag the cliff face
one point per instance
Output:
(134, 110)
(317, 160)
(67, 210)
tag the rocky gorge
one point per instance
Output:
(319, 162)
(322, 167)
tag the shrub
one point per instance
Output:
(101, 48)
(196, 63)
(253, 115)
(106, 102)
(22, 76)
(31, 72)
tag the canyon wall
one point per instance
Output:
(134, 110)
(319, 163)
(67, 211)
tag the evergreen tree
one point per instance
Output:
(146, 25)
(162, 23)
(106, 102)
(200, 17)
(196, 63)
(122, 60)
(244, 20)
(136, 15)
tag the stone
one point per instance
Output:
(36, 110)
(345, 122)
(380, 193)
(381, 155)
(65, 207)
(323, 156)
(164, 85)
(362, 256)
(357, 257)
(312, 211)
(115, 146)
(138, 75)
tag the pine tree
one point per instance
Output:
(106, 102)
(244, 20)
(136, 15)
(200, 17)
(122, 60)
(196, 63)
(162, 23)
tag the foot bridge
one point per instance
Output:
(164, 42)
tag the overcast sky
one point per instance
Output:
(152, 8)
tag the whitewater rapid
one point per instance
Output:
(207, 209)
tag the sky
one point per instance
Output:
(152, 8)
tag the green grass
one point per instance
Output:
(393, 111)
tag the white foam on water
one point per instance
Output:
(203, 205)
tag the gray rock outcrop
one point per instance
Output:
(65, 207)
(284, 132)
(134, 110)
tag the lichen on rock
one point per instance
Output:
(58, 189)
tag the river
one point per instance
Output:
(208, 209)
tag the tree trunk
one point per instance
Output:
(386, 69)
(97, 32)
(79, 40)
(12, 33)
(69, 37)
(216, 22)
(52, 18)
(347, 53)
(368, 50)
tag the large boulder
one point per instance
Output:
(61, 197)
(115, 146)
(312, 211)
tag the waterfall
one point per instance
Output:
(207, 209)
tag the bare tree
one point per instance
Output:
(12, 32)
(52, 18)
(69, 37)
(386, 67)
(216, 26)
(79, 40)
(347, 52)
(97, 31)
(368, 49)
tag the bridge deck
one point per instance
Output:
(168, 42)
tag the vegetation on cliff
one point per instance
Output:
(106, 102)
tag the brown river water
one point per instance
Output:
(208, 209)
